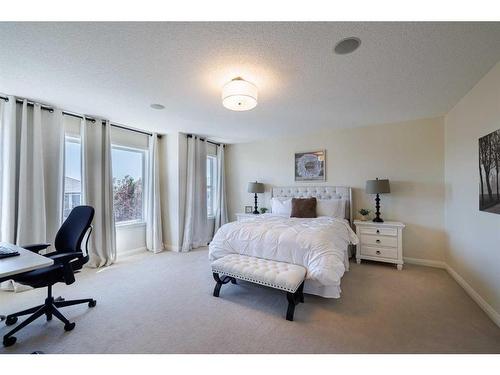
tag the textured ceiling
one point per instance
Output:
(402, 71)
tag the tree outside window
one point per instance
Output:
(128, 184)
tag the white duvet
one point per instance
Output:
(319, 244)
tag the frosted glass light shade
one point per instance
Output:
(239, 95)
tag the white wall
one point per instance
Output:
(473, 236)
(410, 154)
(173, 154)
(130, 238)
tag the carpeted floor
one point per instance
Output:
(163, 304)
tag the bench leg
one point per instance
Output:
(218, 285)
(301, 292)
(291, 305)
(220, 281)
(293, 300)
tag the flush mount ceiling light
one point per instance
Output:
(157, 106)
(239, 95)
(347, 45)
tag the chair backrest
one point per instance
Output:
(70, 235)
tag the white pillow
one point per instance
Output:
(331, 207)
(281, 207)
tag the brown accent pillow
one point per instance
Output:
(303, 207)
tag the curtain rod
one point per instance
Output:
(204, 139)
(50, 109)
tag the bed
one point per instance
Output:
(320, 244)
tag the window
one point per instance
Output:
(128, 184)
(72, 174)
(211, 181)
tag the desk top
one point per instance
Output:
(26, 261)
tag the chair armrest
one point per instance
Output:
(65, 259)
(36, 247)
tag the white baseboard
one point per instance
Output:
(171, 247)
(425, 262)
(131, 252)
(490, 311)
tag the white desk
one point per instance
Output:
(24, 262)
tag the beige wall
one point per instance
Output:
(410, 154)
(169, 179)
(172, 184)
(473, 236)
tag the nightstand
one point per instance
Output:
(242, 216)
(382, 242)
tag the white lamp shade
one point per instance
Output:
(239, 95)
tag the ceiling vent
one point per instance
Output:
(347, 45)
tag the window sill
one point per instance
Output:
(130, 224)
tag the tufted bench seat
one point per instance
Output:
(278, 275)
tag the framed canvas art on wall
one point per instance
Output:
(489, 167)
(310, 166)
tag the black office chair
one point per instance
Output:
(68, 258)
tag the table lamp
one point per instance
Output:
(377, 187)
(255, 187)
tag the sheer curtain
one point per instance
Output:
(196, 220)
(220, 195)
(154, 238)
(10, 168)
(98, 191)
(32, 162)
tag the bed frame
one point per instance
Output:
(319, 192)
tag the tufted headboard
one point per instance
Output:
(320, 192)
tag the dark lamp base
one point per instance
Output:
(377, 218)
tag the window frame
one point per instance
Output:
(213, 185)
(77, 139)
(143, 152)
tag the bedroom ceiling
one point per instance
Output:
(401, 71)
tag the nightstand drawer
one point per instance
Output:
(379, 252)
(383, 241)
(380, 231)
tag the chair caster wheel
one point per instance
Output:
(92, 303)
(9, 341)
(69, 327)
(11, 320)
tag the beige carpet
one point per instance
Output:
(163, 304)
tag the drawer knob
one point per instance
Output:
(377, 241)
(378, 231)
(378, 252)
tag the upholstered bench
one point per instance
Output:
(277, 275)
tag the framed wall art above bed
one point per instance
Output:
(310, 166)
